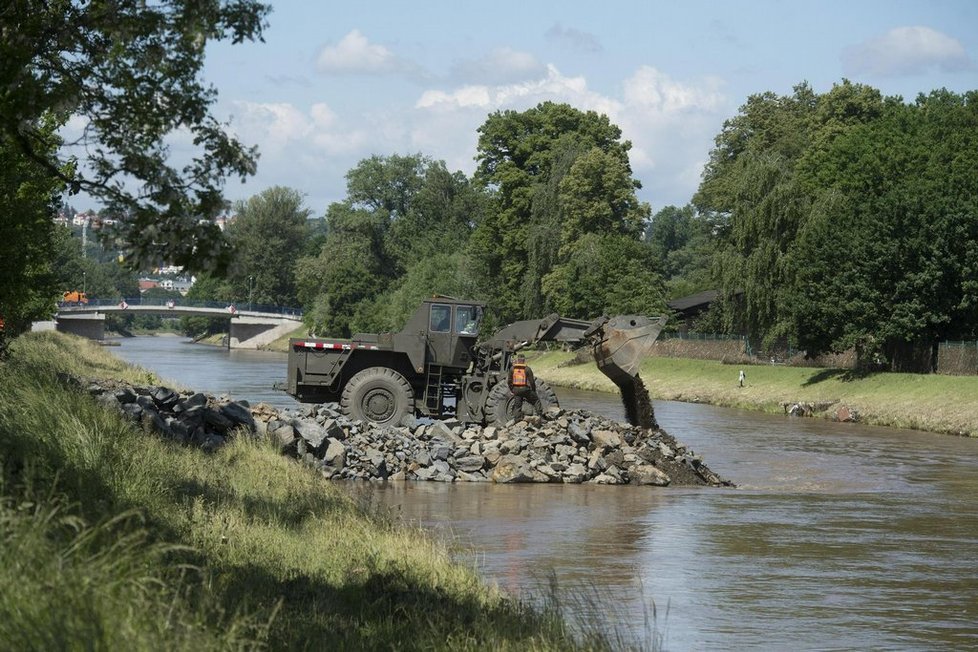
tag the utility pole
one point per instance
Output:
(251, 287)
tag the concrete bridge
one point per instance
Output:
(250, 327)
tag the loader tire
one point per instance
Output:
(501, 404)
(378, 395)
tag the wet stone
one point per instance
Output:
(569, 446)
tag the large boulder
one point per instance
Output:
(511, 469)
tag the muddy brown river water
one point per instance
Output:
(838, 536)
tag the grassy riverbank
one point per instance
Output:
(944, 404)
(112, 539)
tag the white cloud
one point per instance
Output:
(552, 86)
(906, 51)
(281, 130)
(574, 38)
(501, 66)
(671, 124)
(655, 91)
(355, 54)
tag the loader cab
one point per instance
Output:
(452, 328)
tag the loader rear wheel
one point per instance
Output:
(501, 405)
(379, 395)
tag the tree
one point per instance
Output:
(347, 271)
(28, 199)
(752, 186)
(268, 231)
(888, 264)
(524, 157)
(683, 242)
(445, 273)
(129, 70)
(401, 212)
(606, 274)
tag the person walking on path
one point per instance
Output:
(743, 377)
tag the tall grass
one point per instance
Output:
(937, 403)
(112, 539)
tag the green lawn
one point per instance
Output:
(945, 404)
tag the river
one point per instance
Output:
(838, 536)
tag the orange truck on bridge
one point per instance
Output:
(74, 296)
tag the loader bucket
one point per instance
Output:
(618, 353)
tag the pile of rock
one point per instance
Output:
(191, 418)
(809, 409)
(560, 446)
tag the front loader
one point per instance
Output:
(437, 367)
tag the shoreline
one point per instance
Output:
(929, 402)
(935, 403)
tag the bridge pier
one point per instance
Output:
(90, 325)
(256, 332)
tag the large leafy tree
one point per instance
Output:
(888, 264)
(555, 173)
(28, 197)
(268, 230)
(751, 188)
(347, 272)
(128, 70)
(682, 241)
(608, 274)
(404, 216)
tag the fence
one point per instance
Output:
(702, 346)
(953, 358)
(957, 358)
(738, 349)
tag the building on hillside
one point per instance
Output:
(147, 284)
(182, 285)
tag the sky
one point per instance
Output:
(337, 82)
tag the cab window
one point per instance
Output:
(467, 320)
(441, 318)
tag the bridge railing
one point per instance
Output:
(164, 302)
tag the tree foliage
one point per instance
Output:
(129, 72)
(606, 274)
(268, 230)
(28, 200)
(751, 188)
(556, 174)
(401, 214)
(889, 261)
(849, 220)
(682, 241)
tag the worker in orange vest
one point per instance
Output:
(521, 384)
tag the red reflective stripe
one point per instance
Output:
(335, 346)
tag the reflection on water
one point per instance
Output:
(840, 536)
(213, 369)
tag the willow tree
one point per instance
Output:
(888, 262)
(751, 188)
(524, 159)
